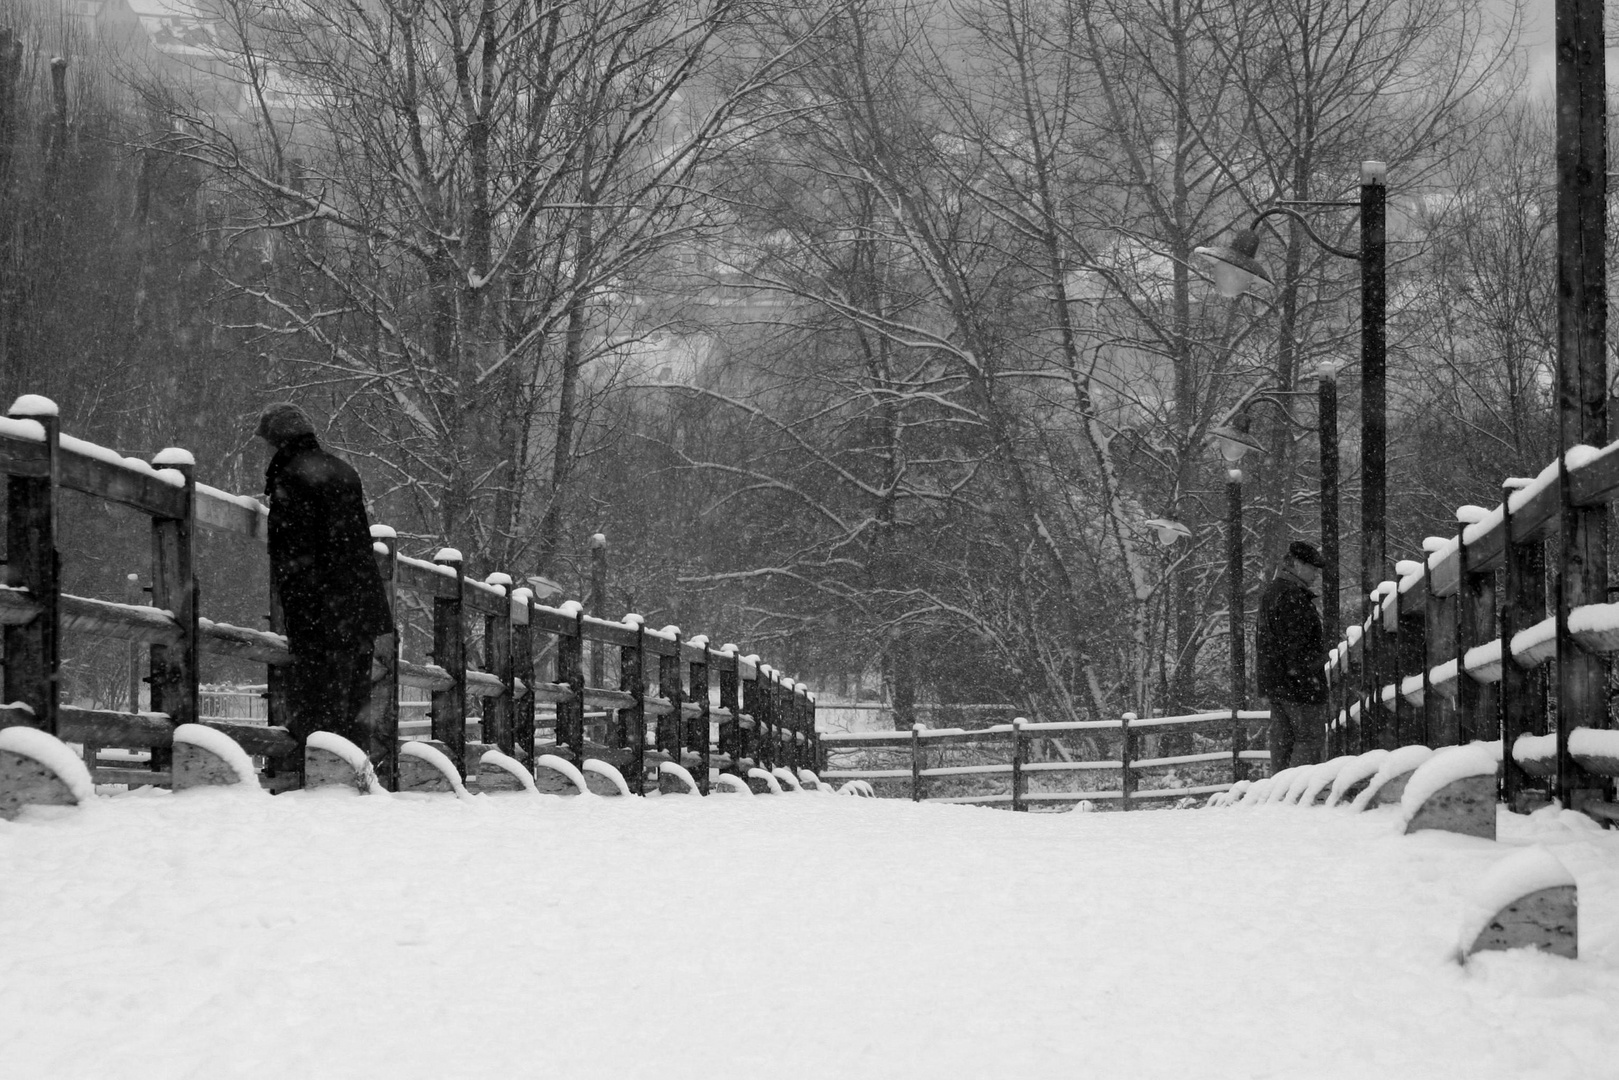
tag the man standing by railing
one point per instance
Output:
(333, 604)
(1292, 655)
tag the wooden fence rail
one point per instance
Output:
(765, 720)
(1012, 741)
(1455, 649)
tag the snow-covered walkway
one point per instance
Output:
(315, 935)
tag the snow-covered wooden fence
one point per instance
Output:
(765, 722)
(1454, 651)
(1012, 742)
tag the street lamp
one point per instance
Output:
(1236, 269)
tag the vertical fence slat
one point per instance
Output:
(385, 691)
(916, 762)
(499, 710)
(1018, 751)
(731, 730)
(697, 730)
(632, 680)
(33, 649)
(668, 740)
(523, 668)
(174, 588)
(450, 653)
(570, 727)
(1127, 777)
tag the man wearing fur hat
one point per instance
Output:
(333, 603)
(1292, 658)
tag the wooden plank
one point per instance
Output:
(222, 512)
(148, 730)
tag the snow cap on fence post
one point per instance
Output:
(33, 406)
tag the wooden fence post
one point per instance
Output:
(668, 740)
(1127, 778)
(385, 691)
(450, 653)
(1523, 703)
(523, 668)
(1018, 749)
(697, 728)
(1407, 647)
(497, 660)
(731, 731)
(916, 762)
(174, 587)
(1439, 644)
(747, 738)
(33, 649)
(632, 680)
(1477, 714)
(570, 729)
(765, 719)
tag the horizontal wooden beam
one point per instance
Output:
(103, 727)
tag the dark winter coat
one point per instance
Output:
(1288, 638)
(321, 561)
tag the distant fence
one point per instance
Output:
(1011, 743)
(663, 677)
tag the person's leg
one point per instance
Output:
(1308, 733)
(1281, 735)
(352, 692)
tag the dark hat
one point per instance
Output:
(1306, 553)
(282, 422)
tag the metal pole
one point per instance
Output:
(1582, 324)
(1235, 601)
(1373, 397)
(1327, 424)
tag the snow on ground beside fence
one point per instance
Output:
(323, 935)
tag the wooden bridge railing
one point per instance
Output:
(764, 720)
(1453, 651)
(1012, 741)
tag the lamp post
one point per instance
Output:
(1236, 270)
(1327, 430)
(1239, 656)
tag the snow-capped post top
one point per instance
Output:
(672, 630)
(752, 658)
(173, 457)
(598, 540)
(1234, 475)
(1374, 172)
(34, 405)
(729, 648)
(1470, 514)
(447, 555)
(500, 579)
(633, 619)
(1431, 544)
(571, 608)
(523, 595)
(698, 642)
(383, 532)
(788, 685)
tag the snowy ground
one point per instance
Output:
(319, 935)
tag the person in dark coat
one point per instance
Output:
(333, 603)
(1292, 658)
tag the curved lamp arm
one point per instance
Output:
(1288, 211)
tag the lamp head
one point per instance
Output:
(1233, 440)
(1234, 266)
(1168, 531)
